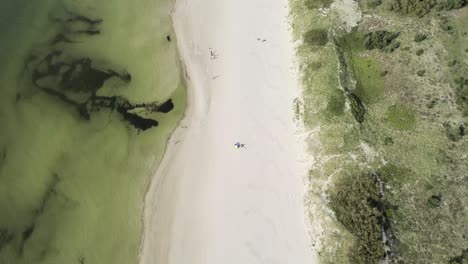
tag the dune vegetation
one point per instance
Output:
(384, 99)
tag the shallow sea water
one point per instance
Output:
(72, 188)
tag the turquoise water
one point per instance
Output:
(83, 127)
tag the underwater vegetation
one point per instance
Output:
(75, 81)
(87, 102)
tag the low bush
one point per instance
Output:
(353, 202)
(316, 37)
(434, 201)
(315, 4)
(419, 37)
(423, 7)
(382, 40)
(374, 3)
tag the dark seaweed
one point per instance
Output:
(81, 18)
(50, 192)
(89, 32)
(25, 235)
(27, 232)
(137, 121)
(3, 157)
(166, 107)
(61, 38)
(90, 28)
(29, 229)
(6, 237)
(78, 81)
(82, 77)
(4, 154)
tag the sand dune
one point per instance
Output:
(211, 203)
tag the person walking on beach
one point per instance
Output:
(239, 145)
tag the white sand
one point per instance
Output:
(210, 203)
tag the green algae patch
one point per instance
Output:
(401, 117)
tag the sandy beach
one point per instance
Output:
(209, 202)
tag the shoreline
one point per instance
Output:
(168, 235)
(177, 132)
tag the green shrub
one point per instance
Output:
(452, 4)
(461, 259)
(446, 25)
(419, 37)
(415, 7)
(394, 175)
(353, 201)
(419, 52)
(382, 40)
(434, 201)
(388, 141)
(423, 7)
(452, 63)
(453, 131)
(316, 37)
(374, 3)
(315, 4)
(357, 107)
